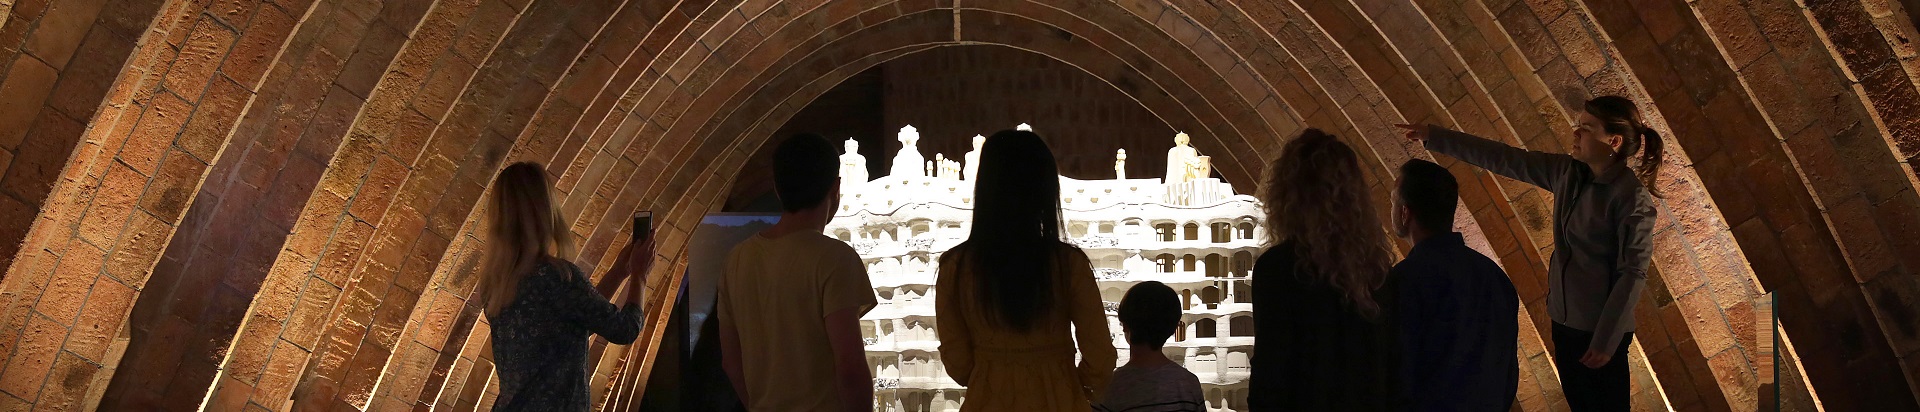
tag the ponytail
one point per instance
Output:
(1620, 116)
(1650, 159)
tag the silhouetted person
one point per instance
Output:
(1603, 237)
(790, 298)
(1006, 296)
(1457, 311)
(1323, 340)
(1150, 382)
(541, 306)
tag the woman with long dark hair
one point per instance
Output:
(1321, 338)
(1005, 297)
(541, 306)
(1603, 223)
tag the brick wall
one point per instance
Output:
(262, 205)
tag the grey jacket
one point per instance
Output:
(1602, 236)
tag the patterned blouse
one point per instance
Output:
(540, 339)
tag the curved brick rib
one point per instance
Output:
(352, 200)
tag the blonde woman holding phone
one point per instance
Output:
(541, 306)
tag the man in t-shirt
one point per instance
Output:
(1457, 311)
(1150, 382)
(791, 298)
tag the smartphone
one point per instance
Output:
(642, 225)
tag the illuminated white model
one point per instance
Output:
(1190, 232)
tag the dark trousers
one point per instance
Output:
(1591, 390)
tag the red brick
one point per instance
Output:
(27, 85)
(156, 130)
(441, 90)
(93, 71)
(316, 225)
(233, 13)
(13, 33)
(137, 251)
(362, 371)
(31, 361)
(67, 384)
(371, 59)
(258, 45)
(106, 308)
(306, 322)
(229, 394)
(290, 191)
(443, 311)
(282, 370)
(1894, 300)
(1745, 326)
(492, 20)
(377, 192)
(390, 319)
(60, 30)
(413, 275)
(79, 265)
(1707, 323)
(409, 371)
(1734, 373)
(214, 119)
(173, 186)
(202, 53)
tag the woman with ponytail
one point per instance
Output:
(1603, 223)
(541, 306)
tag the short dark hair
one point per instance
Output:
(1429, 193)
(1151, 312)
(805, 168)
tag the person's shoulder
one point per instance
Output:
(1072, 252)
(826, 245)
(1632, 196)
(955, 252)
(744, 247)
(835, 253)
(1176, 372)
(555, 270)
(1277, 257)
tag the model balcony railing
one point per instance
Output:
(864, 247)
(1097, 242)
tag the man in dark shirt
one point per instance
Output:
(1457, 311)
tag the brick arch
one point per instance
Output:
(696, 140)
(596, 236)
(751, 135)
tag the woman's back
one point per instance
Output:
(1312, 350)
(1033, 370)
(540, 338)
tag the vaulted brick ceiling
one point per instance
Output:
(251, 204)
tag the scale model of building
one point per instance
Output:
(1189, 231)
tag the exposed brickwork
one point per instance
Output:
(249, 205)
